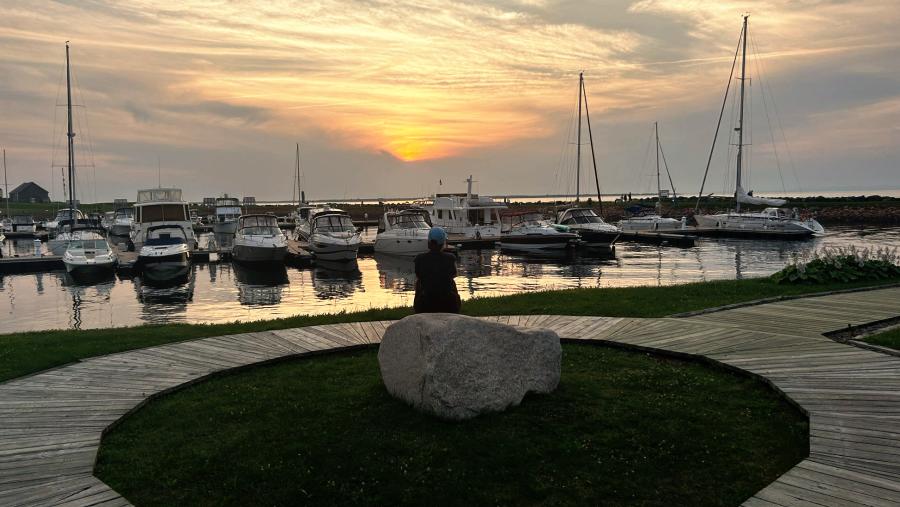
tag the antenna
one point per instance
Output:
(158, 173)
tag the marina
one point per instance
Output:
(219, 290)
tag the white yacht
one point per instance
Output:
(165, 255)
(466, 215)
(228, 210)
(591, 228)
(259, 239)
(403, 232)
(333, 236)
(62, 215)
(655, 221)
(773, 221)
(160, 206)
(529, 232)
(121, 224)
(89, 253)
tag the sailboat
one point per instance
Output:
(773, 221)
(655, 222)
(85, 249)
(594, 232)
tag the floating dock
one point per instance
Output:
(10, 265)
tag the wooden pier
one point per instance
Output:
(51, 423)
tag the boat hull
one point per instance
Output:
(659, 225)
(334, 249)
(597, 239)
(165, 268)
(537, 242)
(401, 245)
(734, 225)
(90, 268)
(258, 254)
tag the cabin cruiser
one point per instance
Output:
(403, 232)
(302, 222)
(160, 206)
(589, 226)
(62, 215)
(88, 253)
(121, 224)
(164, 255)
(467, 215)
(333, 236)
(528, 231)
(258, 239)
(21, 226)
(65, 232)
(770, 222)
(228, 210)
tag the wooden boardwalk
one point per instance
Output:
(51, 423)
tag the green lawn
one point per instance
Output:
(889, 339)
(623, 428)
(24, 353)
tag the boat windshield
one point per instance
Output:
(88, 244)
(165, 237)
(582, 216)
(334, 223)
(408, 221)
(260, 226)
(125, 213)
(64, 214)
(527, 220)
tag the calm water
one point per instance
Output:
(225, 292)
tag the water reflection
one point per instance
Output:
(224, 292)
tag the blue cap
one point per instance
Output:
(437, 235)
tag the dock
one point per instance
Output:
(31, 264)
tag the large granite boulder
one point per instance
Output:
(457, 367)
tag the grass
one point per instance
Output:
(623, 428)
(890, 339)
(25, 353)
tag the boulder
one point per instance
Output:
(458, 367)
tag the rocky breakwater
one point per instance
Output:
(457, 367)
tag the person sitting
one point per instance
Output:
(435, 272)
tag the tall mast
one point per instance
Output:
(578, 157)
(740, 150)
(658, 188)
(587, 114)
(297, 176)
(71, 136)
(6, 184)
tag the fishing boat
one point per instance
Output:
(403, 232)
(165, 254)
(89, 253)
(258, 239)
(466, 215)
(121, 224)
(584, 221)
(529, 232)
(655, 221)
(228, 210)
(773, 221)
(333, 236)
(160, 207)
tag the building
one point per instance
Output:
(249, 201)
(29, 192)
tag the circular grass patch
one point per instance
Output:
(623, 428)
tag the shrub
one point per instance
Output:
(841, 264)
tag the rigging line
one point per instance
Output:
(666, 165)
(54, 139)
(591, 139)
(86, 132)
(719, 124)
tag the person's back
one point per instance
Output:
(435, 273)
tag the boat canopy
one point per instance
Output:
(159, 195)
(258, 224)
(64, 214)
(408, 220)
(161, 235)
(579, 216)
(333, 222)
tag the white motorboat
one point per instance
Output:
(63, 234)
(529, 232)
(61, 216)
(333, 236)
(403, 232)
(160, 206)
(773, 221)
(121, 224)
(89, 253)
(466, 215)
(258, 239)
(164, 255)
(589, 226)
(21, 226)
(655, 221)
(107, 220)
(228, 210)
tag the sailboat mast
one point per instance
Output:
(578, 142)
(299, 191)
(740, 148)
(658, 187)
(71, 136)
(6, 184)
(587, 114)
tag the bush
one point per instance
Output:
(841, 264)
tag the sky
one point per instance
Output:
(402, 99)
